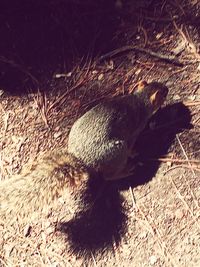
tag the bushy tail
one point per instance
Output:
(40, 183)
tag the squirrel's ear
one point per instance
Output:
(154, 98)
(141, 85)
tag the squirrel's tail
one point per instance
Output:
(40, 183)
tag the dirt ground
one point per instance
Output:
(59, 58)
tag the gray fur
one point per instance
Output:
(105, 135)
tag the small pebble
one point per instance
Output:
(142, 235)
(57, 135)
(159, 35)
(100, 77)
(27, 230)
(176, 97)
(138, 71)
(192, 97)
(179, 214)
(153, 259)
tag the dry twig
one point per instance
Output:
(41, 102)
(175, 160)
(185, 203)
(155, 232)
(168, 58)
(187, 39)
(80, 82)
(184, 153)
(191, 103)
(181, 166)
(191, 168)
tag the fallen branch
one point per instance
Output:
(168, 58)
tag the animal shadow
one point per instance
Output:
(155, 143)
(101, 219)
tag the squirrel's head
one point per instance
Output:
(154, 94)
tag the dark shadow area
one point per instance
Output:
(155, 143)
(99, 222)
(101, 218)
(39, 38)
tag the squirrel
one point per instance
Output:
(100, 142)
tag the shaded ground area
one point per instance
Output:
(41, 39)
(57, 59)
